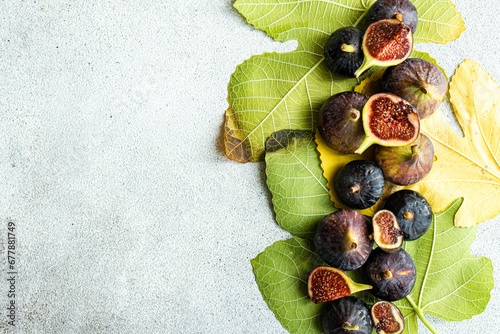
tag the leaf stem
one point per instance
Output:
(422, 317)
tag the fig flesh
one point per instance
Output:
(327, 283)
(419, 82)
(343, 239)
(391, 275)
(385, 43)
(412, 211)
(343, 52)
(389, 120)
(406, 165)
(387, 318)
(347, 315)
(359, 184)
(386, 231)
(402, 10)
(340, 123)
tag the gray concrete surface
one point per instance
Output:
(129, 218)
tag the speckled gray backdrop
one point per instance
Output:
(129, 218)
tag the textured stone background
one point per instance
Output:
(130, 219)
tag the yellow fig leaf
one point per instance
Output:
(467, 166)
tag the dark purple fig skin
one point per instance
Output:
(341, 62)
(406, 165)
(389, 9)
(359, 184)
(392, 275)
(385, 43)
(347, 312)
(412, 211)
(340, 122)
(419, 82)
(343, 239)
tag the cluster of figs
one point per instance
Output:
(350, 122)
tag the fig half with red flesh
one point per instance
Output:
(386, 231)
(385, 43)
(419, 82)
(387, 318)
(389, 120)
(327, 283)
(406, 165)
(340, 123)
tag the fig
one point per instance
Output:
(412, 211)
(402, 10)
(419, 82)
(387, 318)
(391, 275)
(389, 120)
(406, 165)
(327, 283)
(359, 184)
(340, 122)
(343, 52)
(385, 43)
(343, 239)
(386, 231)
(347, 315)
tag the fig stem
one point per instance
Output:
(367, 142)
(398, 16)
(349, 48)
(419, 313)
(408, 215)
(387, 274)
(355, 188)
(349, 327)
(414, 150)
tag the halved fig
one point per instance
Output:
(359, 184)
(419, 82)
(389, 120)
(402, 10)
(340, 123)
(413, 212)
(343, 52)
(387, 318)
(385, 43)
(343, 239)
(327, 283)
(347, 315)
(386, 231)
(391, 275)
(406, 165)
